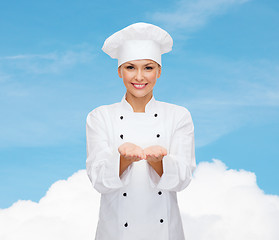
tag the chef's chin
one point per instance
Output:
(140, 94)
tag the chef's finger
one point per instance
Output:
(135, 159)
(122, 153)
(163, 153)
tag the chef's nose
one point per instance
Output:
(139, 75)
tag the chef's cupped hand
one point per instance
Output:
(133, 152)
(154, 153)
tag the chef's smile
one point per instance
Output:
(139, 86)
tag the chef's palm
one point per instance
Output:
(155, 153)
(131, 152)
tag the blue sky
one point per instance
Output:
(224, 68)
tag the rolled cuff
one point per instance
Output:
(105, 175)
(175, 177)
(169, 178)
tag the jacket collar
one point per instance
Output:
(149, 107)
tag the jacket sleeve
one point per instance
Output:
(179, 163)
(102, 163)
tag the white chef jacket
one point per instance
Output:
(139, 205)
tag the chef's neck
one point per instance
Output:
(138, 103)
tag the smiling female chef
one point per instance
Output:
(140, 151)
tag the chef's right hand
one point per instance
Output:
(131, 152)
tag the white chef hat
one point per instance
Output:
(138, 41)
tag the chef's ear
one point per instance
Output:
(120, 71)
(159, 71)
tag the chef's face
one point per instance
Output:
(139, 76)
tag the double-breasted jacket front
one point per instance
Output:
(139, 205)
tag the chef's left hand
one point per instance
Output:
(155, 153)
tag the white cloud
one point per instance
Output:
(48, 63)
(191, 14)
(69, 210)
(219, 204)
(228, 204)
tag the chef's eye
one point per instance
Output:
(149, 68)
(130, 67)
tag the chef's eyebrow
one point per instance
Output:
(143, 65)
(130, 63)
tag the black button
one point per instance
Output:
(121, 136)
(160, 193)
(155, 115)
(124, 194)
(126, 224)
(158, 135)
(121, 117)
(161, 220)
